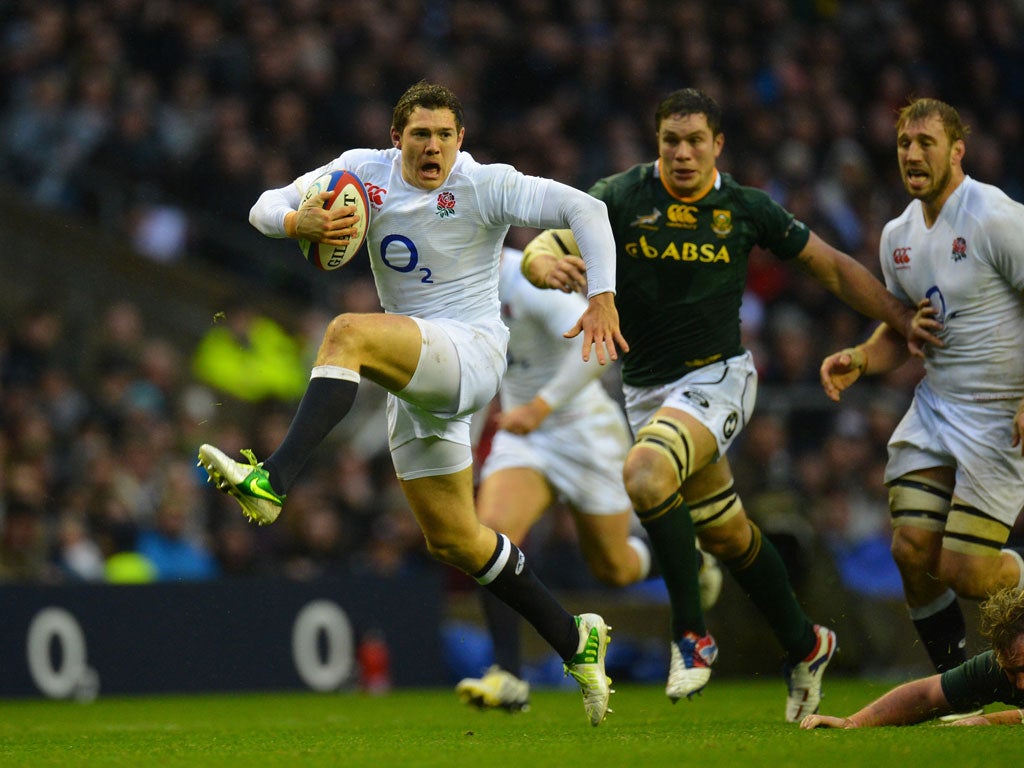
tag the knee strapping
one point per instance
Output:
(648, 516)
(672, 440)
(716, 509)
(919, 501)
(747, 559)
(971, 532)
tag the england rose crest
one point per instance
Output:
(445, 204)
(959, 249)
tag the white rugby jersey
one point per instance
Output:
(434, 253)
(971, 265)
(540, 359)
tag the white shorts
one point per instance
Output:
(972, 437)
(582, 458)
(720, 396)
(458, 373)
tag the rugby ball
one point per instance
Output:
(347, 189)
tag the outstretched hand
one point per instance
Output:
(840, 370)
(811, 722)
(972, 720)
(599, 325)
(920, 329)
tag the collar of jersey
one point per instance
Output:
(713, 185)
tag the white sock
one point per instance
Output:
(643, 552)
(1020, 566)
(938, 604)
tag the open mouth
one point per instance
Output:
(684, 176)
(916, 176)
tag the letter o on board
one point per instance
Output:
(71, 676)
(323, 620)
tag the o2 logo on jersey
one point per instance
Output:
(938, 301)
(403, 257)
(901, 258)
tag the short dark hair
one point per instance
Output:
(1002, 620)
(919, 109)
(689, 101)
(428, 96)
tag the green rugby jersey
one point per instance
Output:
(977, 682)
(681, 267)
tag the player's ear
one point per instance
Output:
(959, 149)
(396, 138)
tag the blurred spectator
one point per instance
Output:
(23, 540)
(251, 357)
(77, 554)
(123, 564)
(176, 553)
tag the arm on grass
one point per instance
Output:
(910, 703)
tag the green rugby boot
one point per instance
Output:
(248, 483)
(497, 689)
(587, 666)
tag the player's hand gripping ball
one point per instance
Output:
(347, 189)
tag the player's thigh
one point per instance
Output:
(603, 536)
(976, 575)
(511, 500)
(974, 531)
(385, 348)
(703, 412)
(673, 446)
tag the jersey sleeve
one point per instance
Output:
(268, 213)
(532, 201)
(977, 682)
(557, 312)
(780, 231)
(1004, 228)
(887, 265)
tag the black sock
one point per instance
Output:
(325, 403)
(670, 530)
(654, 571)
(508, 577)
(503, 626)
(944, 636)
(763, 576)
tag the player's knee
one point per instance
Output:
(450, 550)
(658, 462)
(340, 333)
(914, 549)
(646, 482)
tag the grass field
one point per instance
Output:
(735, 723)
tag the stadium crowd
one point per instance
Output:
(165, 119)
